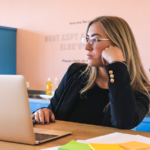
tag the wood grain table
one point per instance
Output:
(79, 132)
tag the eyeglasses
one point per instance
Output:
(92, 41)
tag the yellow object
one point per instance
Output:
(105, 146)
(133, 145)
(49, 87)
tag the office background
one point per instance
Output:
(49, 32)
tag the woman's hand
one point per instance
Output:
(43, 115)
(110, 54)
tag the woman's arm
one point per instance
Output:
(72, 72)
(128, 108)
(58, 93)
(46, 115)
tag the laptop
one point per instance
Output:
(15, 116)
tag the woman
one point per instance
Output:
(112, 90)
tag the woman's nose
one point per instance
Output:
(88, 47)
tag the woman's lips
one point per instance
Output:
(89, 56)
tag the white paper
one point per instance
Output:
(99, 137)
(117, 138)
(52, 148)
(111, 139)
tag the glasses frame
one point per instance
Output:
(88, 40)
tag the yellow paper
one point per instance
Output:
(133, 145)
(105, 146)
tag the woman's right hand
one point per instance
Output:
(43, 116)
(110, 54)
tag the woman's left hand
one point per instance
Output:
(110, 54)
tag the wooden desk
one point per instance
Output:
(79, 131)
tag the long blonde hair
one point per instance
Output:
(121, 35)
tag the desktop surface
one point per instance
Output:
(79, 132)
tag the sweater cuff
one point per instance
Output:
(117, 73)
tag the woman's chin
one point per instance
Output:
(94, 64)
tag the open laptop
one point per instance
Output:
(15, 117)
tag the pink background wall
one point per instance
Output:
(46, 39)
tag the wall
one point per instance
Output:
(49, 32)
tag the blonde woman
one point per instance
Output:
(112, 89)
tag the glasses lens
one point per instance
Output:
(93, 42)
(84, 41)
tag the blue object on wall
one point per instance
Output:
(36, 104)
(7, 50)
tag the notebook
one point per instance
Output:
(15, 116)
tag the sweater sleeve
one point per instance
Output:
(127, 108)
(59, 91)
(71, 73)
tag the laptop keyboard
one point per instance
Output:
(40, 136)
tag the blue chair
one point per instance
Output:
(36, 104)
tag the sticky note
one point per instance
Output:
(134, 145)
(73, 145)
(105, 146)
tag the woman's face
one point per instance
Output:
(94, 54)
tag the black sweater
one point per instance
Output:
(127, 107)
(91, 109)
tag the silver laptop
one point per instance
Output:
(15, 117)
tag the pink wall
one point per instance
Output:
(44, 32)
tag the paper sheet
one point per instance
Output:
(73, 145)
(133, 145)
(52, 148)
(112, 139)
(105, 147)
(117, 138)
